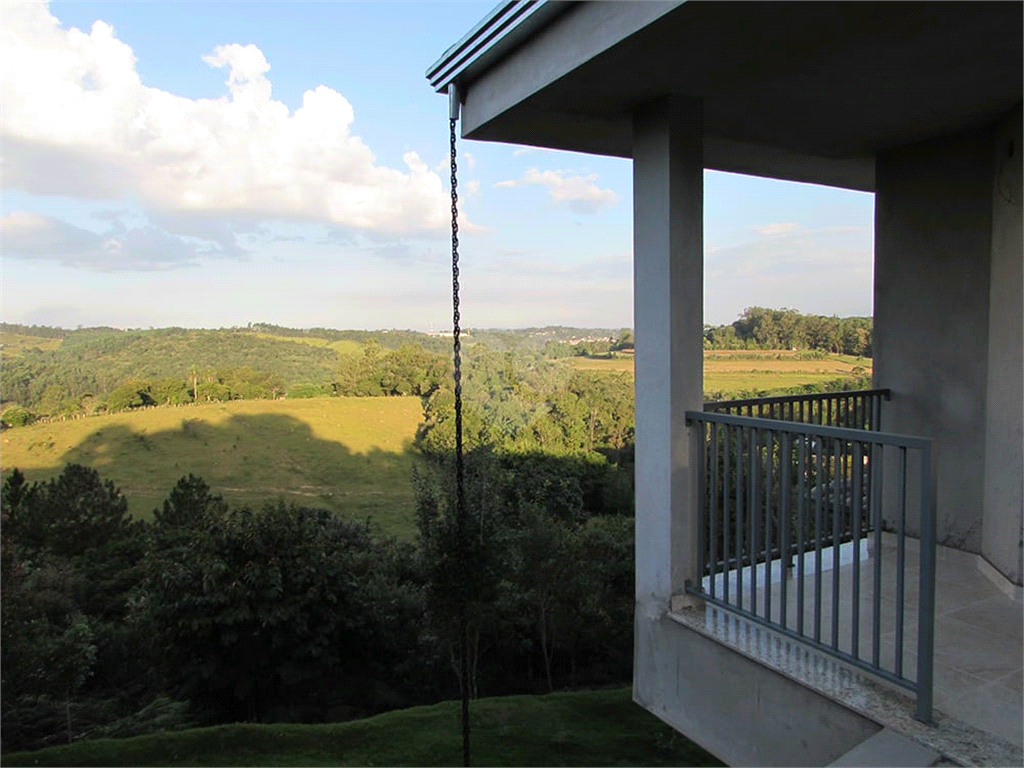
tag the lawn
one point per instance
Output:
(583, 728)
(351, 455)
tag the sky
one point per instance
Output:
(212, 164)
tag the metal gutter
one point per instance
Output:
(502, 30)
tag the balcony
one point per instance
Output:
(809, 566)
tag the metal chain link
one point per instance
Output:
(460, 493)
(456, 331)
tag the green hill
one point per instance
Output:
(585, 728)
(352, 455)
(53, 371)
(85, 366)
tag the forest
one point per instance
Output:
(210, 614)
(761, 328)
(52, 372)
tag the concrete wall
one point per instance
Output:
(933, 254)
(741, 711)
(1004, 466)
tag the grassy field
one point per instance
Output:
(342, 346)
(350, 455)
(735, 371)
(15, 344)
(585, 728)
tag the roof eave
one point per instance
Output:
(501, 31)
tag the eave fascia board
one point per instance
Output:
(503, 29)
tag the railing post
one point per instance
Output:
(926, 596)
(700, 468)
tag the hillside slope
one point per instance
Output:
(584, 728)
(351, 455)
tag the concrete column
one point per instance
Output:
(668, 278)
(933, 224)
(1002, 539)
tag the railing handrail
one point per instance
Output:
(886, 394)
(814, 430)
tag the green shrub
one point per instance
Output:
(16, 416)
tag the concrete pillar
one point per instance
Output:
(948, 325)
(933, 221)
(668, 269)
(1004, 436)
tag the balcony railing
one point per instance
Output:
(856, 409)
(791, 532)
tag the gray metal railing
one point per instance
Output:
(791, 537)
(855, 409)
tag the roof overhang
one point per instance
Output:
(798, 90)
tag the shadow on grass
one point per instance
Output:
(251, 459)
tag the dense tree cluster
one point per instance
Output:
(548, 581)
(280, 613)
(211, 614)
(760, 328)
(407, 370)
(520, 402)
(71, 653)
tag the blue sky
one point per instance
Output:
(214, 164)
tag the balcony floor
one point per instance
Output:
(979, 650)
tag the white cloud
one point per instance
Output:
(777, 228)
(36, 237)
(473, 186)
(520, 151)
(579, 192)
(471, 227)
(78, 121)
(464, 161)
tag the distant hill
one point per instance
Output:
(52, 371)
